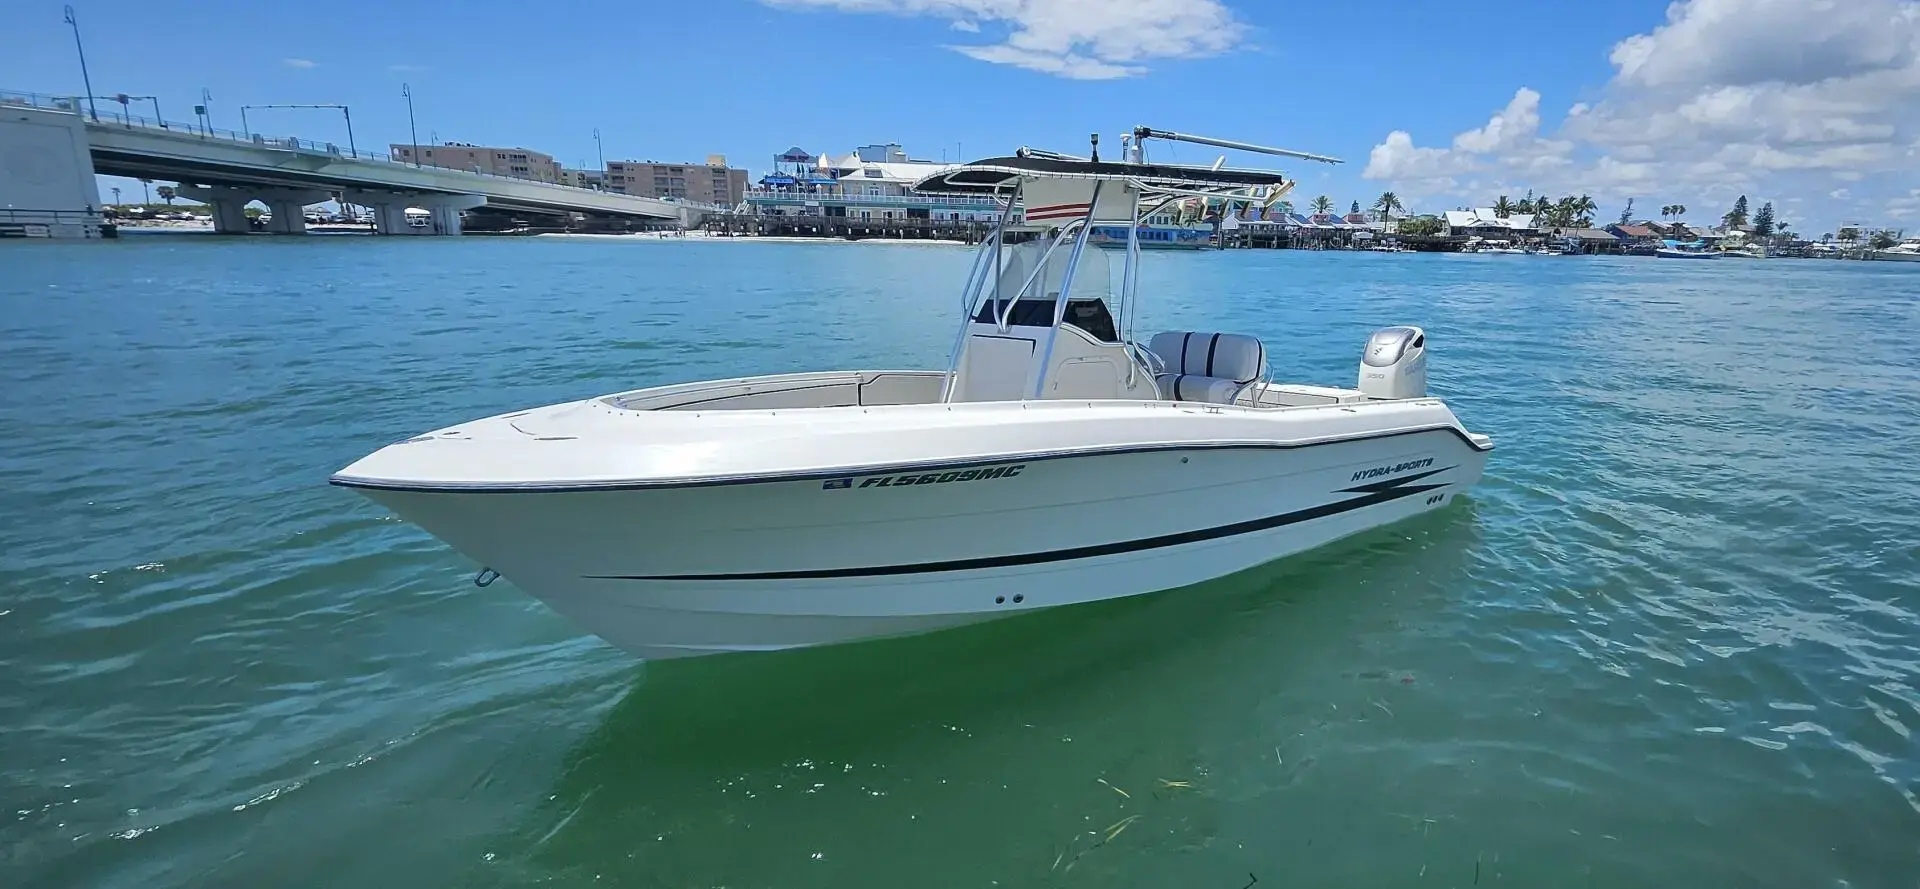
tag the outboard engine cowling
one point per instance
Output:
(1395, 364)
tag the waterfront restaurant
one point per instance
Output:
(1482, 222)
(873, 182)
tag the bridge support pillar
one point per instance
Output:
(289, 208)
(229, 205)
(390, 211)
(229, 202)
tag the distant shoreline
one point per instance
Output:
(765, 239)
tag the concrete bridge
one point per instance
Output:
(227, 170)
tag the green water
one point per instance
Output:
(1671, 640)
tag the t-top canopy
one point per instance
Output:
(998, 174)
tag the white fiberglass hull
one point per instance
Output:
(807, 557)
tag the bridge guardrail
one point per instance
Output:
(124, 118)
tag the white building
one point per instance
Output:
(871, 182)
(1483, 222)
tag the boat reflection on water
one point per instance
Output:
(914, 755)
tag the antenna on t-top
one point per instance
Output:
(1096, 148)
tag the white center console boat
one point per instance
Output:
(1055, 460)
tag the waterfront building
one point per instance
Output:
(870, 183)
(712, 182)
(1482, 222)
(519, 163)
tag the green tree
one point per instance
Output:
(1387, 204)
(1354, 210)
(1626, 213)
(1849, 235)
(1738, 215)
(1583, 210)
(1322, 205)
(1762, 220)
(166, 193)
(1565, 211)
(1502, 207)
(1826, 238)
(1883, 239)
(1421, 225)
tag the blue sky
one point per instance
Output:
(1811, 105)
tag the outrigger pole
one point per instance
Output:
(1142, 134)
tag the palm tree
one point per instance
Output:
(1679, 210)
(1322, 205)
(166, 193)
(1583, 209)
(1826, 238)
(1502, 207)
(116, 195)
(144, 190)
(1387, 203)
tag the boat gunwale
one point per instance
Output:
(1480, 443)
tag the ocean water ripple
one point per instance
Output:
(1672, 639)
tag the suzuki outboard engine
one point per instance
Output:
(1395, 364)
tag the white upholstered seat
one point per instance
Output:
(1210, 367)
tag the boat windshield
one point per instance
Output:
(1089, 303)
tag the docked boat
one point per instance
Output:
(1749, 251)
(1905, 251)
(1490, 245)
(1055, 460)
(1671, 249)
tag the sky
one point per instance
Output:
(1813, 105)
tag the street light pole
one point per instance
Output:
(206, 113)
(412, 131)
(85, 78)
(601, 149)
(351, 149)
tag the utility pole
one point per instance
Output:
(602, 150)
(85, 78)
(407, 92)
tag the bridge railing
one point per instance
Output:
(124, 118)
(15, 215)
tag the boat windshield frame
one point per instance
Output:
(1151, 186)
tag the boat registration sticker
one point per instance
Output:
(906, 480)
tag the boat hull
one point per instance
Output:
(1685, 254)
(667, 571)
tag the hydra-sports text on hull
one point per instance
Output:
(1056, 460)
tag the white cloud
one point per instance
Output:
(1076, 39)
(1726, 96)
(1905, 207)
(299, 63)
